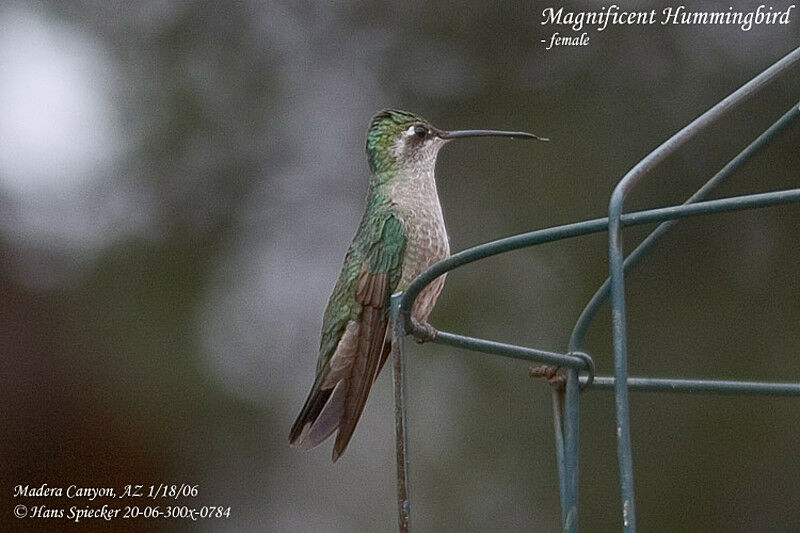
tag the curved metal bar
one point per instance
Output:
(618, 321)
(510, 350)
(567, 447)
(567, 428)
(565, 405)
(590, 366)
(706, 386)
(401, 302)
(600, 297)
(586, 227)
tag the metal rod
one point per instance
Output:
(401, 437)
(571, 432)
(607, 382)
(577, 229)
(558, 422)
(618, 322)
(405, 300)
(566, 420)
(701, 386)
(621, 406)
(601, 296)
(508, 350)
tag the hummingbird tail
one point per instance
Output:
(345, 377)
(319, 417)
(330, 407)
(372, 347)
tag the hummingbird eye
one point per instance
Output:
(420, 131)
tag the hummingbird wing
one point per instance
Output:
(354, 342)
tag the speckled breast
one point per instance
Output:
(426, 243)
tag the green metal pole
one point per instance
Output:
(600, 297)
(616, 270)
(401, 437)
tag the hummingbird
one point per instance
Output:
(401, 234)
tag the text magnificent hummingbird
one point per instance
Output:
(401, 234)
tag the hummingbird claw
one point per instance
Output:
(422, 331)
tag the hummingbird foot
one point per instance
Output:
(552, 373)
(422, 331)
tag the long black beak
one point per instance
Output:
(488, 133)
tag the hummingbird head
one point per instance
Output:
(401, 141)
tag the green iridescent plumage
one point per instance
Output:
(371, 233)
(370, 274)
(377, 248)
(381, 136)
(401, 234)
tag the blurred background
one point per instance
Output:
(179, 182)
